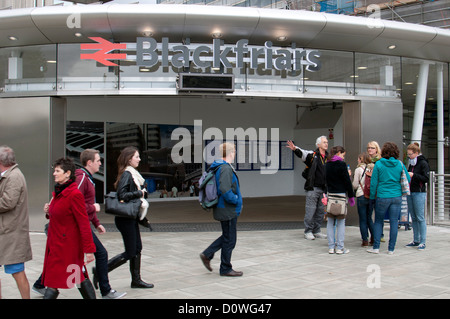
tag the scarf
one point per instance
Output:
(60, 187)
(139, 181)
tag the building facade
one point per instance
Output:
(174, 80)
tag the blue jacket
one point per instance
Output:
(385, 181)
(229, 205)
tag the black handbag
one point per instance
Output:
(115, 207)
(86, 288)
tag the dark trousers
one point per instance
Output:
(131, 235)
(226, 243)
(101, 266)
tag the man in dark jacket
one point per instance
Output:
(227, 211)
(90, 159)
(315, 185)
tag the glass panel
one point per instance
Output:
(24, 69)
(84, 75)
(410, 79)
(335, 75)
(165, 175)
(377, 75)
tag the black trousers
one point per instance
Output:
(131, 235)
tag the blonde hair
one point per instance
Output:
(377, 147)
(414, 147)
(226, 148)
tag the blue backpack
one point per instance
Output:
(208, 195)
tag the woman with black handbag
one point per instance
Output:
(129, 185)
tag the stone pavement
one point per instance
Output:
(277, 264)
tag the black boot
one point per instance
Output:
(87, 290)
(135, 270)
(51, 293)
(113, 263)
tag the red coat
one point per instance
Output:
(69, 238)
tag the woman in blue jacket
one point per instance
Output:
(385, 186)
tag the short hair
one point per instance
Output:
(66, 164)
(226, 148)
(88, 155)
(390, 149)
(7, 156)
(414, 147)
(319, 140)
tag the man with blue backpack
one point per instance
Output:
(227, 211)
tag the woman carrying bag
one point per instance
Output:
(339, 188)
(129, 185)
(69, 239)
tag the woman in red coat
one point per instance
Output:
(69, 233)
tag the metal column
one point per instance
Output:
(440, 139)
(419, 109)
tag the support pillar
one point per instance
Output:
(419, 109)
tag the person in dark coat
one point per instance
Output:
(129, 185)
(419, 171)
(69, 239)
(338, 183)
(315, 185)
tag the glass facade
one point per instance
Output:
(58, 70)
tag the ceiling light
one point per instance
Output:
(216, 35)
(12, 38)
(147, 33)
(409, 83)
(362, 67)
(282, 38)
(354, 76)
(51, 61)
(78, 35)
(392, 47)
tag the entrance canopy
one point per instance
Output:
(125, 22)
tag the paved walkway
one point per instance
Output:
(278, 264)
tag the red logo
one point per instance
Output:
(102, 56)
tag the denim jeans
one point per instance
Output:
(101, 266)
(226, 243)
(365, 217)
(392, 206)
(335, 232)
(416, 207)
(314, 210)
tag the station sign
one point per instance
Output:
(147, 52)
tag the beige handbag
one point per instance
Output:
(337, 205)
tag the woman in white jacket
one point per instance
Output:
(365, 208)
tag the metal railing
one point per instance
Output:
(439, 203)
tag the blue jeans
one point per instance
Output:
(393, 207)
(335, 232)
(365, 217)
(416, 207)
(226, 243)
(101, 266)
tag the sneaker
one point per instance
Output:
(40, 291)
(114, 295)
(309, 236)
(373, 251)
(342, 251)
(331, 251)
(412, 244)
(421, 247)
(390, 252)
(320, 235)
